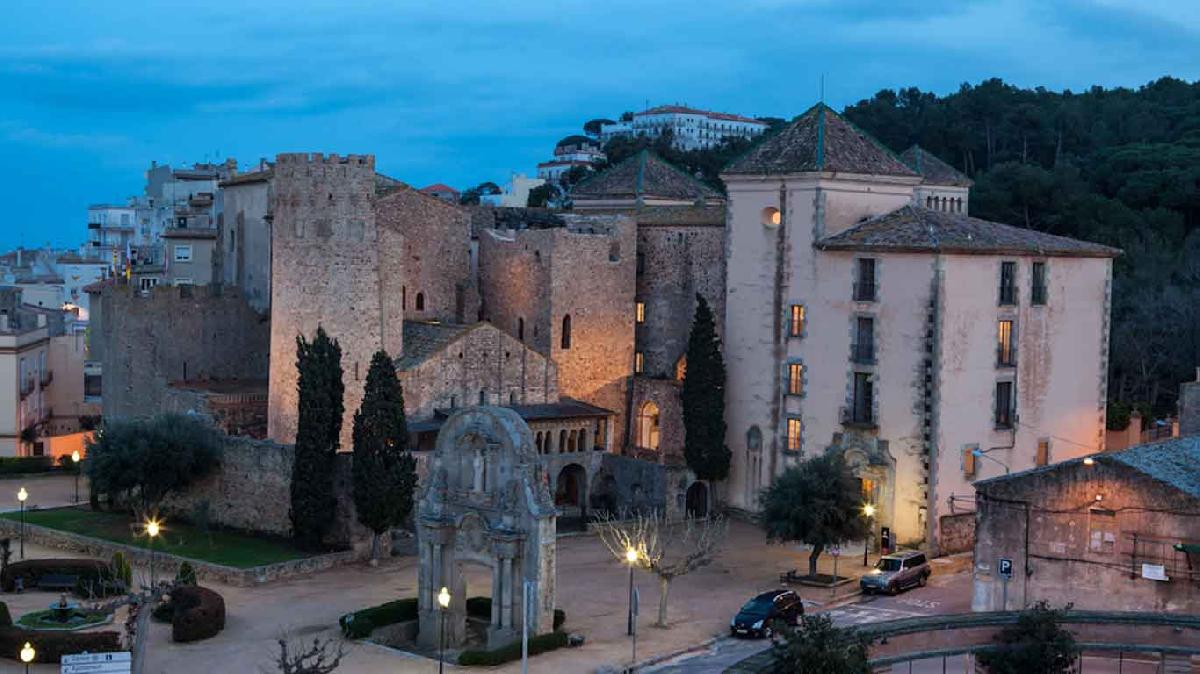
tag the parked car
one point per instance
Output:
(896, 572)
(755, 617)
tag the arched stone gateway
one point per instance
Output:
(697, 499)
(570, 491)
(486, 502)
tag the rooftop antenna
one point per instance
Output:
(822, 88)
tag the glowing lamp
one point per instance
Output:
(443, 598)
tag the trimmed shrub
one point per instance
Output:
(121, 570)
(199, 613)
(539, 644)
(481, 607)
(359, 625)
(5, 618)
(164, 612)
(30, 570)
(12, 465)
(51, 646)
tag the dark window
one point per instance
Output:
(521, 329)
(864, 399)
(91, 386)
(1005, 353)
(1008, 283)
(420, 301)
(403, 298)
(863, 349)
(1037, 294)
(566, 331)
(482, 397)
(641, 263)
(1004, 404)
(864, 283)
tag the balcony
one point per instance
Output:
(859, 416)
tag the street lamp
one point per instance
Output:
(21, 496)
(631, 556)
(443, 599)
(75, 460)
(27, 655)
(980, 454)
(868, 512)
(152, 529)
(1088, 461)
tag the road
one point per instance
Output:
(944, 594)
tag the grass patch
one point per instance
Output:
(219, 547)
(47, 620)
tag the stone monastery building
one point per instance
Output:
(862, 311)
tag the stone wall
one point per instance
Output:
(244, 250)
(147, 340)
(436, 240)
(957, 533)
(662, 394)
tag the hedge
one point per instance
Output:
(30, 570)
(51, 646)
(12, 465)
(358, 625)
(481, 607)
(539, 644)
(199, 613)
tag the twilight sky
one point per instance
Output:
(465, 91)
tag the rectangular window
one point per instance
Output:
(183, 253)
(640, 309)
(796, 321)
(1102, 529)
(1037, 292)
(147, 282)
(795, 379)
(1008, 283)
(864, 281)
(1005, 354)
(863, 348)
(639, 362)
(794, 428)
(969, 465)
(863, 411)
(1043, 453)
(1004, 404)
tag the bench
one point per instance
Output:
(57, 581)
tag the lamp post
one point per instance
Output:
(979, 453)
(21, 496)
(868, 512)
(631, 556)
(27, 655)
(443, 599)
(152, 529)
(75, 460)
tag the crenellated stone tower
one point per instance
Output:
(331, 266)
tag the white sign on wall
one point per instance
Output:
(1154, 572)
(97, 663)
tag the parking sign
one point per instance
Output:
(1005, 568)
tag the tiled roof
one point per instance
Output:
(914, 229)
(438, 187)
(423, 339)
(644, 175)
(565, 408)
(933, 171)
(650, 216)
(820, 140)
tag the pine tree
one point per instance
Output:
(703, 399)
(384, 470)
(320, 425)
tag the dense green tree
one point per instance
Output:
(139, 462)
(385, 473)
(816, 646)
(703, 399)
(541, 196)
(1035, 644)
(592, 126)
(320, 424)
(470, 196)
(816, 501)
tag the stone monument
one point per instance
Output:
(486, 501)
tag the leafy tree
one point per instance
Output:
(816, 646)
(540, 196)
(470, 196)
(816, 502)
(385, 473)
(140, 462)
(1035, 644)
(703, 399)
(592, 126)
(320, 424)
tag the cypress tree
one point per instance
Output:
(703, 399)
(385, 473)
(320, 425)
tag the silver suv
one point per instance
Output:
(895, 572)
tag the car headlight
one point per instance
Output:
(758, 625)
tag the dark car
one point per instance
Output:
(896, 572)
(755, 617)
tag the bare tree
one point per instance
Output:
(322, 657)
(666, 549)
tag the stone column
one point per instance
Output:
(507, 593)
(497, 588)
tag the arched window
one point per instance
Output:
(512, 397)
(648, 426)
(420, 301)
(928, 202)
(482, 397)
(572, 440)
(403, 298)
(754, 439)
(959, 204)
(566, 331)
(521, 329)
(681, 368)
(537, 442)
(562, 441)
(583, 445)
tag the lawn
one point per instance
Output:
(216, 546)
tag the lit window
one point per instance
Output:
(795, 379)
(183, 253)
(794, 428)
(796, 322)
(641, 312)
(648, 426)
(639, 362)
(1004, 345)
(771, 216)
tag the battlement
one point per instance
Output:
(317, 158)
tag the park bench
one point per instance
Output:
(57, 581)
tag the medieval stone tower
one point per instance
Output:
(332, 267)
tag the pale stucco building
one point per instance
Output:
(866, 313)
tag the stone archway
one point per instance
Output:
(570, 491)
(485, 501)
(697, 500)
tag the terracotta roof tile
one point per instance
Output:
(933, 171)
(644, 175)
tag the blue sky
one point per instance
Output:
(460, 92)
